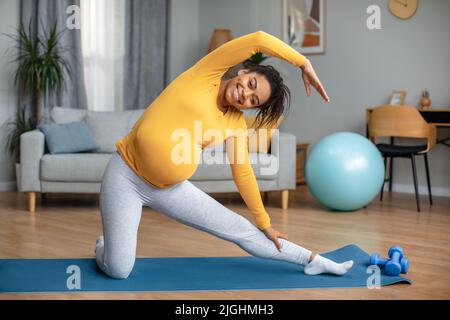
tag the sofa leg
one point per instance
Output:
(32, 201)
(284, 199)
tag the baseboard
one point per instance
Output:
(402, 188)
(423, 190)
(8, 186)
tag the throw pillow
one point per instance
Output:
(69, 137)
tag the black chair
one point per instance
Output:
(405, 122)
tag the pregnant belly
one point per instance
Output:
(167, 164)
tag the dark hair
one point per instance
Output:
(280, 96)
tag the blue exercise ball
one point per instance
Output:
(344, 171)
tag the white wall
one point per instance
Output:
(359, 69)
(9, 17)
(183, 36)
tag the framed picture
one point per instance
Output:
(303, 25)
(397, 98)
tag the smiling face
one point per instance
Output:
(247, 90)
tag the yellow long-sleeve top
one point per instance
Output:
(153, 143)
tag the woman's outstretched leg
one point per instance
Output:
(186, 203)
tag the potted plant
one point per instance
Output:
(40, 69)
(425, 102)
(257, 58)
(16, 128)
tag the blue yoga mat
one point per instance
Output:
(183, 274)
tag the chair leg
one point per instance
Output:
(413, 163)
(391, 168)
(428, 178)
(384, 179)
(32, 201)
(284, 199)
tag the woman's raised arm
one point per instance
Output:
(237, 50)
(217, 62)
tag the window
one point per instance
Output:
(102, 38)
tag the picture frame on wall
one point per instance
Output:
(303, 25)
(397, 98)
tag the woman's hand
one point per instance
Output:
(273, 235)
(310, 78)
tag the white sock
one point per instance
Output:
(323, 265)
(100, 242)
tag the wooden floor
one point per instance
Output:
(66, 226)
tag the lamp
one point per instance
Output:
(219, 37)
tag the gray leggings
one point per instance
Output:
(122, 196)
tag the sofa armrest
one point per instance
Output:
(283, 146)
(32, 147)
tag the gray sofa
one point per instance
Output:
(42, 172)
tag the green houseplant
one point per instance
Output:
(17, 127)
(40, 69)
(257, 58)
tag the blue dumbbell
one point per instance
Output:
(375, 260)
(397, 263)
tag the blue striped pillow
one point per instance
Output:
(69, 137)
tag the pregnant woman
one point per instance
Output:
(146, 169)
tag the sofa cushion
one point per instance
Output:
(107, 127)
(264, 167)
(68, 137)
(81, 167)
(65, 115)
(90, 167)
(134, 116)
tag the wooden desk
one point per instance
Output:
(439, 117)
